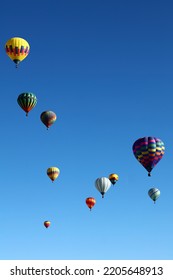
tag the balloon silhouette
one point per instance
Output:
(48, 118)
(154, 194)
(102, 185)
(148, 151)
(27, 101)
(90, 202)
(17, 49)
(113, 178)
(53, 173)
(47, 224)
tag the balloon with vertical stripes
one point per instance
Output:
(102, 185)
(27, 101)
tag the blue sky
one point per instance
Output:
(105, 68)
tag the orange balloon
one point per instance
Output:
(90, 202)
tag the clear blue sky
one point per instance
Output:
(106, 69)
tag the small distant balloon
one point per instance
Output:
(154, 194)
(27, 101)
(53, 173)
(102, 185)
(90, 202)
(48, 118)
(17, 49)
(148, 151)
(113, 178)
(47, 224)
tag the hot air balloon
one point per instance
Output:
(17, 49)
(90, 202)
(53, 173)
(27, 101)
(113, 178)
(47, 224)
(48, 118)
(148, 151)
(102, 185)
(154, 194)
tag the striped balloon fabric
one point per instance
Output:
(27, 101)
(154, 194)
(148, 151)
(102, 185)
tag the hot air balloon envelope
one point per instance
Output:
(148, 151)
(90, 202)
(48, 118)
(53, 173)
(113, 178)
(27, 101)
(102, 185)
(47, 224)
(17, 49)
(154, 193)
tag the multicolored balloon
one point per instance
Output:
(113, 178)
(47, 224)
(148, 151)
(53, 173)
(102, 185)
(27, 101)
(154, 194)
(48, 118)
(90, 202)
(17, 49)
